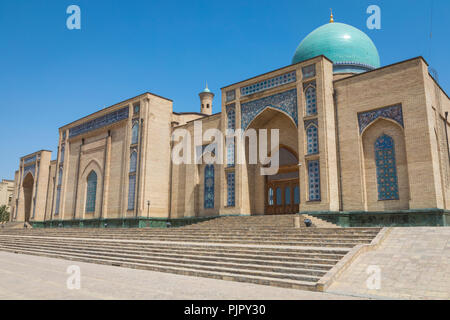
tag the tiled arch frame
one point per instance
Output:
(285, 102)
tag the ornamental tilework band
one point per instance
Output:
(99, 122)
(394, 112)
(269, 83)
(285, 101)
(29, 160)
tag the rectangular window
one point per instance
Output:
(314, 180)
(231, 189)
(131, 192)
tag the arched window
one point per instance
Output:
(91, 193)
(386, 168)
(209, 187)
(135, 134)
(133, 162)
(312, 139)
(311, 104)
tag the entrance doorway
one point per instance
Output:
(283, 188)
(27, 185)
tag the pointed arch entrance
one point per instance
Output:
(262, 189)
(27, 185)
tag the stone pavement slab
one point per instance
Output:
(414, 263)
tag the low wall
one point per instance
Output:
(135, 222)
(401, 218)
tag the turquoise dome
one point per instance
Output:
(350, 49)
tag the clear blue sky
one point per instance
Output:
(50, 76)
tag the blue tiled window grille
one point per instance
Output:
(386, 168)
(58, 199)
(60, 173)
(91, 193)
(135, 134)
(314, 180)
(311, 101)
(231, 202)
(131, 191)
(312, 137)
(231, 115)
(133, 162)
(209, 187)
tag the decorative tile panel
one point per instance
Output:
(269, 83)
(386, 168)
(394, 113)
(230, 95)
(100, 122)
(27, 169)
(309, 71)
(285, 101)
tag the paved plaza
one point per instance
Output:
(33, 277)
(414, 263)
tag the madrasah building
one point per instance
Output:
(354, 137)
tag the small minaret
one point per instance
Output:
(206, 99)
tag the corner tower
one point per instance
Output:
(206, 99)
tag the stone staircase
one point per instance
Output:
(264, 250)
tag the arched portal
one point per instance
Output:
(27, 185)
(278, 193)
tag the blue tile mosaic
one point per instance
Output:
(285, 101)
(394, 113)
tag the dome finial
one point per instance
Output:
(331, 17)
